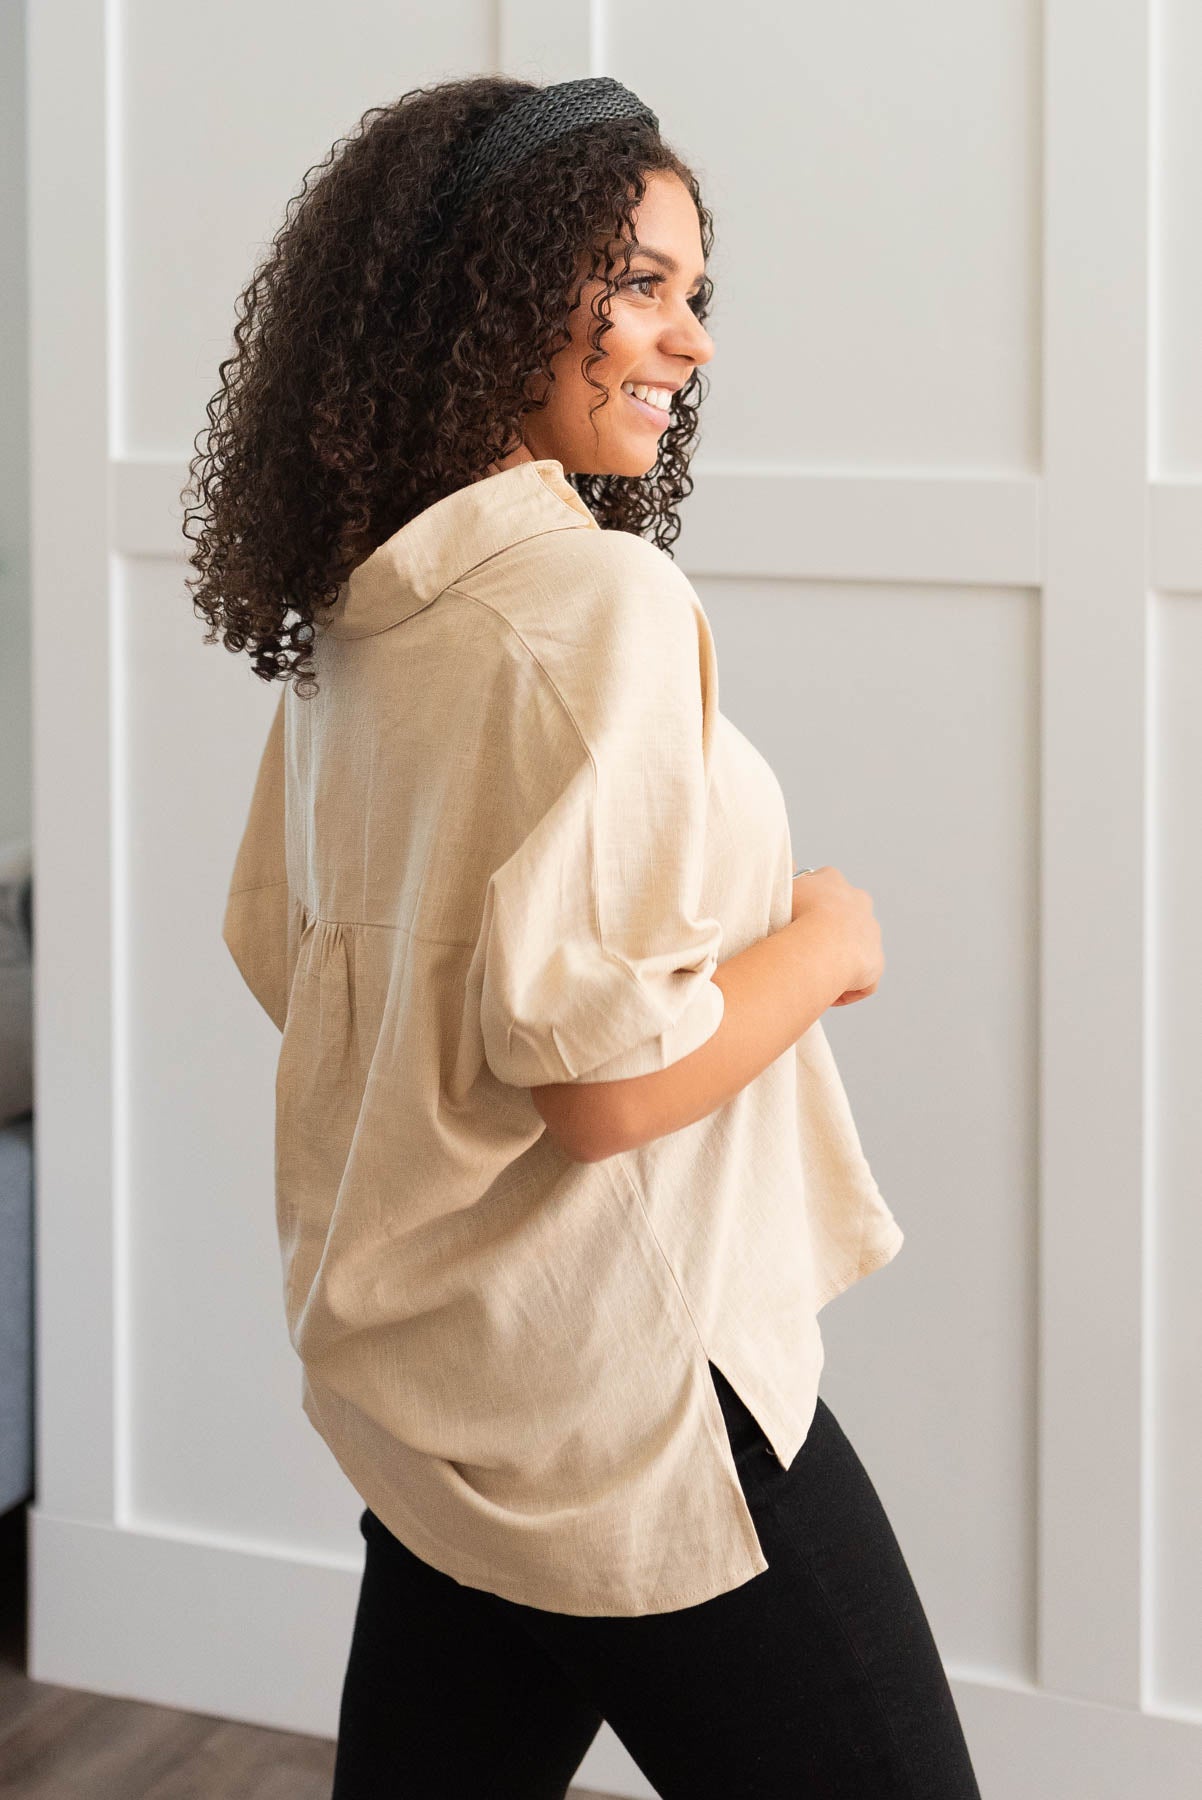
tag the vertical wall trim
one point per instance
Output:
(1094, 863)
(545, 42)
(76, 1273)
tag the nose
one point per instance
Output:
(694, 341)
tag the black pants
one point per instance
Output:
(818, 1678)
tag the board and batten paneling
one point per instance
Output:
(947, 523)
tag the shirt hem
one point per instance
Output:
(882, 1252)
(449, 1561)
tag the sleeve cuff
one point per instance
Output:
(694, 1027)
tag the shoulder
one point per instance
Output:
(604, 628)
(609, 591)
(606, 565)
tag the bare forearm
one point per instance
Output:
(773, 992)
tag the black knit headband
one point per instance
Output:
(540, 117)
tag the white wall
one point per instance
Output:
(948, 527)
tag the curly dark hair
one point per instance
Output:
(387, 346)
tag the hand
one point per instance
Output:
(851, 910)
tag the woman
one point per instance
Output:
(565, 1170)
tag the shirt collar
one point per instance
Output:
(425, 557)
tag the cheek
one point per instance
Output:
(622, 345)
(627, 342)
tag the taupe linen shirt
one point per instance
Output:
(508, 842)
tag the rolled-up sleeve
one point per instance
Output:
(597, 951)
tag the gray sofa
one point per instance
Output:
(16, 1174)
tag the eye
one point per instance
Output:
(648, 276)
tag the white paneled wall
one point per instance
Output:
(947, 524)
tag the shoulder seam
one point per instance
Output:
(464, 594)
(527, 537)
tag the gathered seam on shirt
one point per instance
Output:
(418, 937)
(258, 887)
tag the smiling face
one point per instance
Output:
(655, 339)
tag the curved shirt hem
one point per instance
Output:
(882, 1251)
(597, 1601)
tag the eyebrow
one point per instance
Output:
(661, 256)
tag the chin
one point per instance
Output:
(635, 461)
(631, 460)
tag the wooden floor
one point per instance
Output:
(60, 1743)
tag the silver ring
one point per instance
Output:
(798, 872)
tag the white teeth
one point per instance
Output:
(661, 397)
